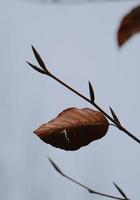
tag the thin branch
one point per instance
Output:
(113, 119)
(80, 184)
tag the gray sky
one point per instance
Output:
(78, 43)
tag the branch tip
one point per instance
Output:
(55, 166)
(115, 116)
(36, 68)
(120, 191)
(39, 59)
(92, 96)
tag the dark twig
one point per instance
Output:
(81, 185)
(40, 61)
(92, 95)
(120, 191)
(115, 116)
(113, 119)
(36, 68)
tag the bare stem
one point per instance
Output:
(113, 119)
(85, 187)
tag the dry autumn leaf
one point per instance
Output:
(129, 26)
(73, 128)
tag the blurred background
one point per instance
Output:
(78, 43)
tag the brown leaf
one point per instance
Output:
(129, 26)
(73, 128)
